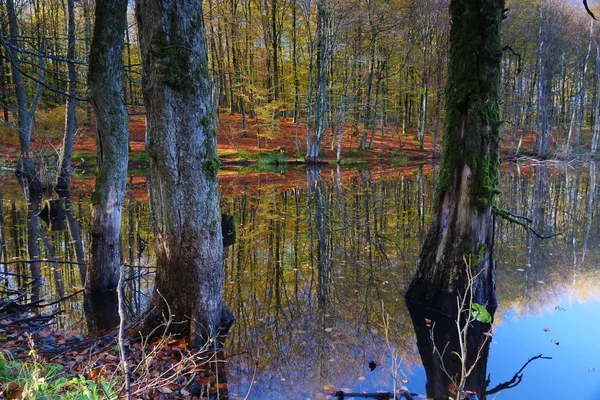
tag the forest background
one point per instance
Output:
(384, 76)
(291, 79)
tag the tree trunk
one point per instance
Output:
(320, 103)
(463, 224)
(583, 89)
(184, 167)
(112, 138)
(26, 173)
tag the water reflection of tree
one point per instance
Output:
(356, 290)
(557, 201)
(438, 344)
(310, 302)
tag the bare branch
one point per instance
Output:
(43, 54)
(507, 215)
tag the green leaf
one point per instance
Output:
(480, 313)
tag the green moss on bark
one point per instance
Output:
(211, 167)
(473, 117)
(173, 61)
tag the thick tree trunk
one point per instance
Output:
(463, 224)
(184, 165)
(112, 139)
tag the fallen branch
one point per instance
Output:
(379, 396)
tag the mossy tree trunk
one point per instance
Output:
(180, 124)
(112, 138)
(463, 223)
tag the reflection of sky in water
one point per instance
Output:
(568, 374)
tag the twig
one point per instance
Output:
(75, 293)
(121, 334)
(252, 380)
(36, 261)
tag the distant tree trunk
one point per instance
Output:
(367, 114)
(583, 89)
(86, 7)
(112, 137)
(64, 178)
(544, 90)
(295, 62)
(463, 224)
(26, 173)
(184, 167)
(596, 125)
(3, 81)
(70, 107)
(320, 102)
(274, 49)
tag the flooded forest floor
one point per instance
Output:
(171, 372)
(266, 147)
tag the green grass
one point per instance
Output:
(140, 157)
(36, 380)
(272, 159)
(88, 158)
(273, 162)
(355, 153)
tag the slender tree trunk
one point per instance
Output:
(87, 35)
(66, 155)
(112, 138)
(295, 62)
(275, 48)
(596, 125)
(367, 114)
(70, 122)
(583, 90)
(26, 172)
(184, 167)
(320, 102)
(463, 224)
(3, 81)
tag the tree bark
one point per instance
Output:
(184, 165)
(112, 137)
(463, 223)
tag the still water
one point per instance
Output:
(317, 276)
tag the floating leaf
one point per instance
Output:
(480, 313)
(373, 365)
